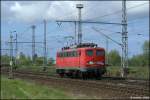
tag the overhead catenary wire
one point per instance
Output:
(106, 36)
(117, 12)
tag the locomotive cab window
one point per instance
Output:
(65, 54)
(89, 52)
(74, 53)
(59, 54)
(100, 53)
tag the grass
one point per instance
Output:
(135, 72)
(21, 89)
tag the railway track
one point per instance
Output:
(111, 80)
(115, 88)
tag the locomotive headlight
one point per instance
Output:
(90, 62)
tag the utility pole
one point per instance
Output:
(107, 51)
(124, 40)
(45, 54)
(75, 37)
(79, 6)
(11, 57)
(16, 62)
(33, 44)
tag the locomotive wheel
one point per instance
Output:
(69, 74)
(90, 75)
(74, 74)
(61, 75)
(98, 75)
(83, 75)
(77, 74)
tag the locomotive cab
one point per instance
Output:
(95, 57)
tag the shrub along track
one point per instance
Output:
(90, 88)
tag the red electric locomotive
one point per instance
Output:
(81, 60)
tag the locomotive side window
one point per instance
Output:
(61, 54)
(89, 52)
(100, 53)
(68, 54)
(65, 54)
(73, 54)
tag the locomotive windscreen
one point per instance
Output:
(100, 53)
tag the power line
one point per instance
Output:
(107, 36)
(21, 35)
(119, 11)
(107, 30)
(45, 52)
(131, 21)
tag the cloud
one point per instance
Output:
(54, 10)
(138, 9)
(61, 10)
(28, 13)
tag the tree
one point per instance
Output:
(5, 59)
(141, 59)
(137, 60)
(39, 60)
(146, 52)
(114, 58)
(23, 60)
(146, 47)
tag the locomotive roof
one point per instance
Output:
(81, 46)
(71, 49)
(86, 45)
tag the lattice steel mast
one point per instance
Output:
(33, 44)
(124, 40)
(45, 52)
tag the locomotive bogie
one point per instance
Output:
(80, 73)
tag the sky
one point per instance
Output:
(19, 16)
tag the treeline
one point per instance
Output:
(26, 60)
(142, 59)
(114, 58)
